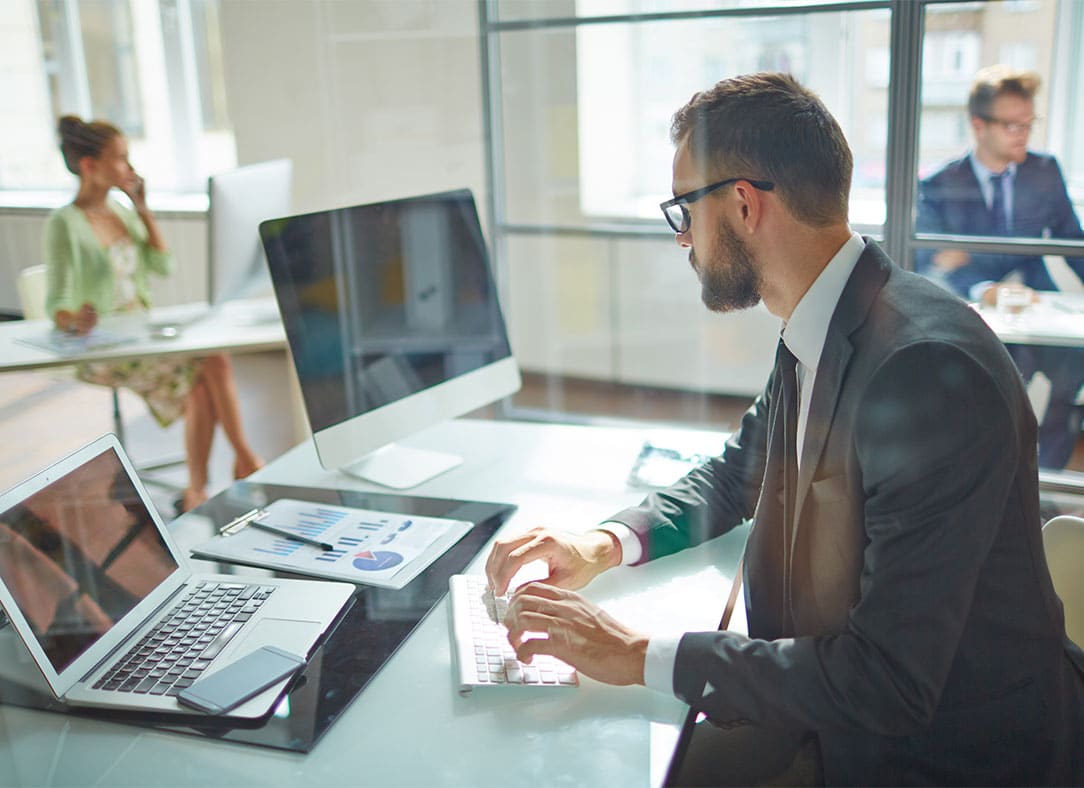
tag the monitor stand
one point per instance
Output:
(401, 467)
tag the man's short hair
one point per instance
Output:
(994, 81)
(769, 126)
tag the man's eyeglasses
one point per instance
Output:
(1012, 126)
(677, 215)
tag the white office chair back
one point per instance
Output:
(32, 286)
(1063, 543)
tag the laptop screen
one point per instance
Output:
(79, 554)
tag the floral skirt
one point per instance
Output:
(162, 383)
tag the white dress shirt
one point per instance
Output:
(804, 336)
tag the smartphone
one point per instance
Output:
(231, 686)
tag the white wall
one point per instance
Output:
(372, 99)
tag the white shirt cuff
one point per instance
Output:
(978, 290)
(630, 542)
(659, 663)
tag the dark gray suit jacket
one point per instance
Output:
(913, 624)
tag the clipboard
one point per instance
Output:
(382, 549)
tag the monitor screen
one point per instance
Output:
(392, 317)
(238, 201)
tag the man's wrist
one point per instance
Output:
(639, 648)
(607, 548)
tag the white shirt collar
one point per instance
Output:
(807, 329)
(983, 173)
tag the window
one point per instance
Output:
(582, 94)
(617, 85)
(154, 69)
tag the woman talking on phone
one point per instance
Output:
(99, 256)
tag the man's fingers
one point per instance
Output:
(537, 633)
(501, 565)
(540, 591)
(537, 607)
(531, 647)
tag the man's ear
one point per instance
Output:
(751, 205)
(978, 125)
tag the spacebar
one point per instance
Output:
(214, 648)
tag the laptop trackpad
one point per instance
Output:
(296, 637)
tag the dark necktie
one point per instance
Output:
(788, 373)
(997, 206)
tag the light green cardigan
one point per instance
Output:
(78, 268)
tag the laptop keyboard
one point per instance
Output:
(177, 650)
(483, 654)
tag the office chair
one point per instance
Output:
(1063, 543)
(32, 286)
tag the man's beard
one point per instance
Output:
(731, 281)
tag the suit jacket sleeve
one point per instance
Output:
(934, 498)
(719, 495)
(1063, 220)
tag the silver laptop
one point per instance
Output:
(104, 602)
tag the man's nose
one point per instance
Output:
(683, 240)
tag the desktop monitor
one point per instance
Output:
(238, 201)
(393, 321)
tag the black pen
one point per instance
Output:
(271, 529)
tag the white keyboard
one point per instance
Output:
(480, 649)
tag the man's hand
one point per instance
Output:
(574, 560)
(951, 259)
(990, 294)
(577, 632)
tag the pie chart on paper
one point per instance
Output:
(375, 560)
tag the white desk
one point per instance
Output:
(1057, 319)
(238, 326)
(409, 726)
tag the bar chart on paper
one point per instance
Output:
(374, 548)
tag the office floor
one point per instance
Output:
(46, 414)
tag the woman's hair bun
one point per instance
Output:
(79, 138)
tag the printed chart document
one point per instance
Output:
(374, 548)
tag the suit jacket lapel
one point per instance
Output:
(869, 275)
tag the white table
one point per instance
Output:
(241, 326)
(409, 726)
(1057, 319)
(234, 327)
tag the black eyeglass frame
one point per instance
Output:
(1012, 126)
(682, 200)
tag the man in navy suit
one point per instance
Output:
(1002, 188)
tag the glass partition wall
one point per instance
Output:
(604, 312)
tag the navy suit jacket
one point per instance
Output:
(950, 202)
(910, 619)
